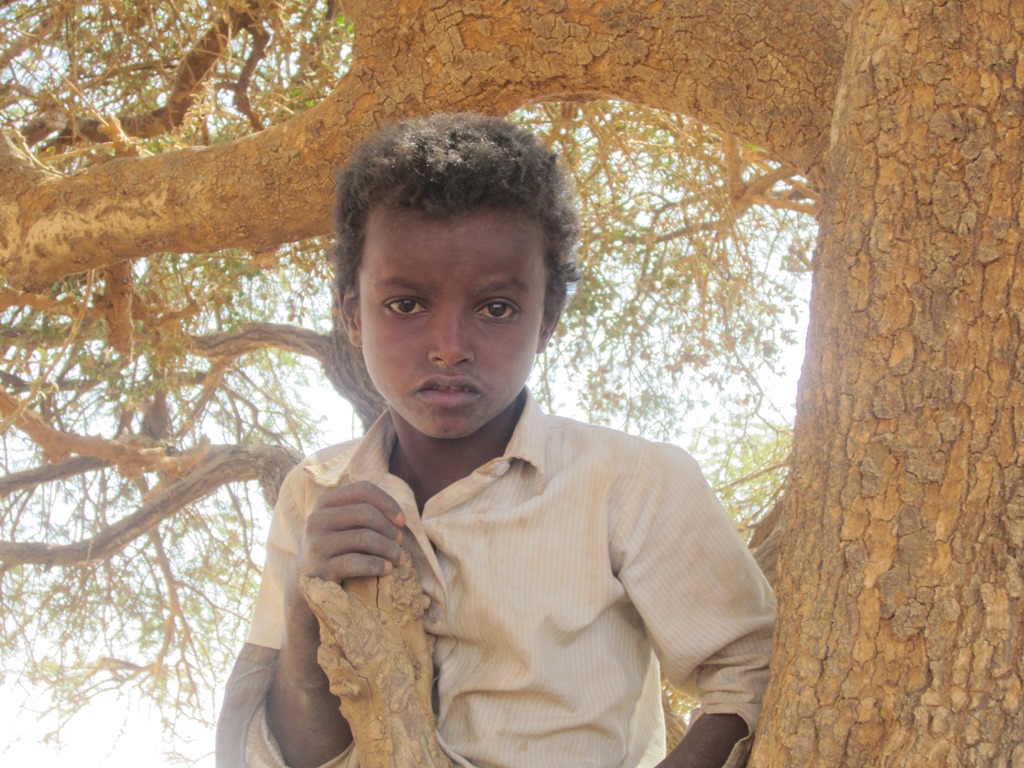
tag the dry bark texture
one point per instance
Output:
(377, 657)
(900, 574)
(766, 72)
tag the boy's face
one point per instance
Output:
(449, 313)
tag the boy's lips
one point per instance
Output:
(449, 384)
(448, 390)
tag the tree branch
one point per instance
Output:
(409, 59)
(130, 457)
(260, 40)
(377, 657)
(223, 464)
(192, 72)
(255, 336)
(347, 373)
(342, 363)
(49, 473)
(116, 305)
(785, 204)
(70, 307)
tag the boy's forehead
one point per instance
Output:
(487, 226)
(481, 244)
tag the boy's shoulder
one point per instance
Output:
(324, 466)
(573, 440)
(332, 454)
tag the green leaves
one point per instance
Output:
(685, 279)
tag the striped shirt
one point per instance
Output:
(565, 577)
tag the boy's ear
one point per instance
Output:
(547, 328)
(350, 317)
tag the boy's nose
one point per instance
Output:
(451, 343)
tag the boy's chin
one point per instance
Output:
(451, 426)
(446, 431)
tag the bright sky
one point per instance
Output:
(111, 733)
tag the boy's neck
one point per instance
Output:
(429, 465)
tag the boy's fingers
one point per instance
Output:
(353, 530)
(326, 548)
(327, 520)
(356, 564)
(363, 492)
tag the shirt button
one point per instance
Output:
(501, 469)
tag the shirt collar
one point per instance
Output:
(368, 460)
(529, 439)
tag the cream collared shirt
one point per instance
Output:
(564, 577)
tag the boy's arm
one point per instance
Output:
(302, 713)
(708, 743)
(705, 603)
(246, 698)
(353, 530)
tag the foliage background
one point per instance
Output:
(695, 260)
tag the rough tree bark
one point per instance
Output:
(377, 657)
(900, 572)
(766, 73)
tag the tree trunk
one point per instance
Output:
(377, 657)
(900, 574)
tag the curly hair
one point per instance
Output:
(448, 164)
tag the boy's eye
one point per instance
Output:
(497, 310)
(404, 306)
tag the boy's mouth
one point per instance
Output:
(457, 384)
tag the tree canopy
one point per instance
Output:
(159, 376)
(165, 169)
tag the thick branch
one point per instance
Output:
(377, 658)
(223, 465)
(254, 336)
(765, 72)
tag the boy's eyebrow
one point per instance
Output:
(499, 284)
(397, 283)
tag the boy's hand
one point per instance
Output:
(708, 742)
(353, 530)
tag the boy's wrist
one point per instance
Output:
(709, 742)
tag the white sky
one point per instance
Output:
(114, 732)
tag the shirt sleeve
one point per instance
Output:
(244, 694)
(706, 606)
(267, 626)
(243, 738)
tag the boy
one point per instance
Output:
(563, 561)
